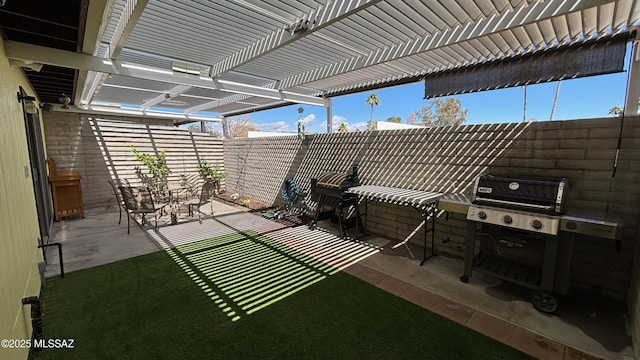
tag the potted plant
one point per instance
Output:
(211, 173)
(156, 178)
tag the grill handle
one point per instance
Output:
(314, 191)
(505, 202)
(354, 173)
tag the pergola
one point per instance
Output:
(206, 60)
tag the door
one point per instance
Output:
(38, 171)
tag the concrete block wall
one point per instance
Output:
(447, 160)
(98, 148)
(256, 168)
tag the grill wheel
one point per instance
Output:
(544, 302)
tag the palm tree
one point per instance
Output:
(616, 111)
(371, 101)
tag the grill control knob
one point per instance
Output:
(482, 215)
(507, 219)
(536, 224)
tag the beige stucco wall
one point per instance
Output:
(634, 304)
(19, 255)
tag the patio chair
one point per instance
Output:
(138, 200)
(206, 195)
(191, 183)
(116, 193)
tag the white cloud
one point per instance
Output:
(308, 119)
(278, 126)
(362, 125)
(337, 119)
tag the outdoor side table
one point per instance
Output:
(423, 201)
(67, 192)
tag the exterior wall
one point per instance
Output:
(97, 147)
(447, 159)
(19, 231)
(257, 167)
(634, 304)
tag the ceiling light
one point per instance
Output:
(146, 68)
(185, 68)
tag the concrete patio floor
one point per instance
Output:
(584, 327)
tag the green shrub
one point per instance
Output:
(156, 178)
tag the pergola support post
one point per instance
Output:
(633, 86)
(329, 117)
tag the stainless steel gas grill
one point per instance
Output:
(331, 189)
(535, 195)
(519, 222)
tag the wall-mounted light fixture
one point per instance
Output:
(27, 65)
(28, 103)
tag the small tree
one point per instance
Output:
(394, 119)
(238, 127)
(156, 178)
(211, 173)
(343, 128)
(413, 118)
(208, 128)
(372, 101)
(443, 112)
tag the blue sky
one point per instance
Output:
(578, 98)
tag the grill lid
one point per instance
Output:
(331, 180)
(336, 181)
(339, 181)
(537, 195)
(334, 184)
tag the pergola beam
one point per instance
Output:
(327, 15)
(132, 12)
(215, 103)
(167, 95)
(68, 59)
(93, 28)
(481, 28)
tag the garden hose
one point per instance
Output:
(290, 191)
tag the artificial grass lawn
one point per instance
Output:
(149, 308)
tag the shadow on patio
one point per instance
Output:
(290, 259)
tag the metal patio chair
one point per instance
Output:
(138, 200)
(119, 200)
(207, 192)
